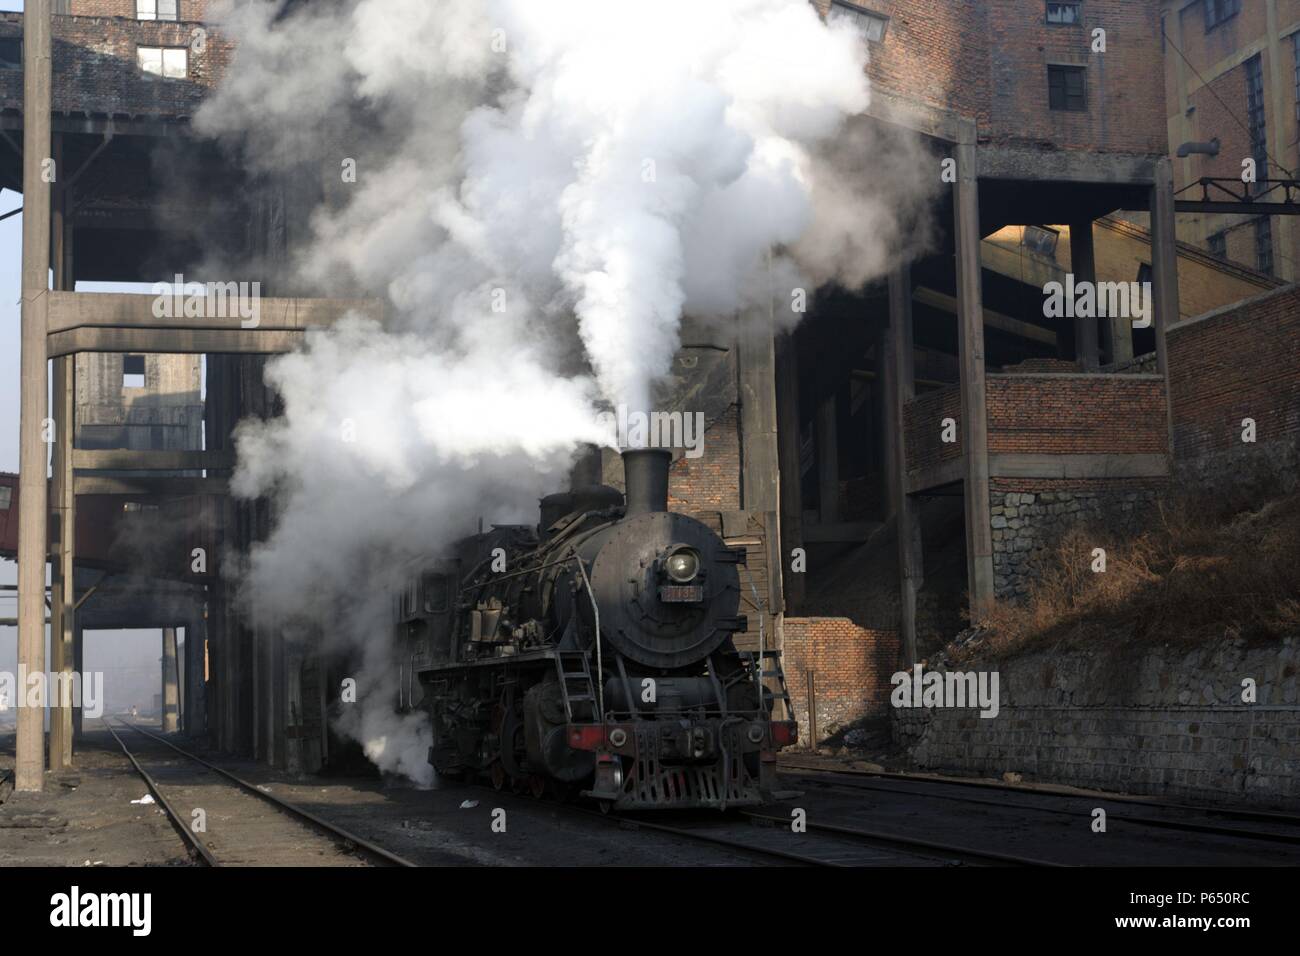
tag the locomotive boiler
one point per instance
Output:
(596, 654)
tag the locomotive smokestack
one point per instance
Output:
(646, 473)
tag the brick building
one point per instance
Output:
(1232, 75)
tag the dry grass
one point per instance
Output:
(1195, 575)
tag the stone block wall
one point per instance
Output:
(1030, 516)
(1169, 722)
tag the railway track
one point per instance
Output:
(282, 833)
(763, 836)
(1287, 832)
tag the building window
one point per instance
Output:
(1041, 240)
(156, 9)
(1218, 244)
(6, 497)
(1264, 244)
(1065, 13)
(1216, 11)
(169, 62)
(1144, 272)
(1067, 88)
(11, 53)
(1255, 118)
(133, 371)
(871, 24)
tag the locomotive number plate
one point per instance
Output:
(681, 593)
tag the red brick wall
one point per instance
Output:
(190, 10)
(95, 69)
(712, 481)
(988, 59)
(923, 422)
(1243, 362)
(1076, 415)
(852, 666)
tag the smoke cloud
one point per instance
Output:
(541, 191)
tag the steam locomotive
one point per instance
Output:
(596, 654)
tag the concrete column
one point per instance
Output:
(760, 462)
(170, 692)
(29, 763)
(787, 441)
(901, 389)
(1164, 258)
(79, 665)
(1164, 275)
(194, 703)
(1083, 264)
(63, 508)
(828, 462)
(970, 345)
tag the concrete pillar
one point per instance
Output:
(78, 665)
(29, 762)
(787, 441)
(1164, 259)
(970, 345)
(1083, 264)
(63, 509)
(194, 702)
(761, 472)
(170, 692)
(828, 461)
(1164, 275)
(901, 389)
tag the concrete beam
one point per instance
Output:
(1065, 166)
(150, 487)
(76, 310)
(125, 459)
(161, 341)
(926, 479)
(1078, 466)
(994, 320)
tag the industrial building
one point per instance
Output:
(893, 444)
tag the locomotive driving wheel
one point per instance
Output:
(537, 786)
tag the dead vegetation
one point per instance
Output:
(1199, 572)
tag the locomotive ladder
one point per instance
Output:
(575, 680)
(781, 693)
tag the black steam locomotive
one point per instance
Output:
(662, 710)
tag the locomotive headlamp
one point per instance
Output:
(682, 565)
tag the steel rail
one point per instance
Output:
(320, 823)
(1189, 826)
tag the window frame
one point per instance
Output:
(1067, 70)
(1214, 15)
(1039, 247)
(156, 14)
(860, 14)
(140, 56)
(1265, 258)
(1047, 13)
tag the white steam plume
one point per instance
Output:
(542, 191)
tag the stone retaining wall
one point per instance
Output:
(1170, 722)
